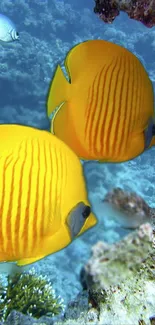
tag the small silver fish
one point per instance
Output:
(8, 32)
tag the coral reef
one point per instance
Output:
(142, 10)
(30, 294)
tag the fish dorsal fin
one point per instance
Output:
(75, 60)
(78, 59)
(82, 61)
(87, 56)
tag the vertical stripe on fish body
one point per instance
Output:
(107, 104)
(41, 181)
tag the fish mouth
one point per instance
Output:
(90, 222)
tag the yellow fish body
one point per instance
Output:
(43, 200)
(106, 109)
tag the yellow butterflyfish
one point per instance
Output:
(105, 111)
(43, 197)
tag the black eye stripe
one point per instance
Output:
(86, 212)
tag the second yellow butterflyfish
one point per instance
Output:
(106, 109)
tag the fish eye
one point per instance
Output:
(86, 212)
(17, 34)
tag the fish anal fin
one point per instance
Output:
(80, 59)
(26, 261)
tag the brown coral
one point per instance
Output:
(141, 10)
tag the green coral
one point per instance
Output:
(30, 294)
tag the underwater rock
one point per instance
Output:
(141, 10)
(80, 312)
(18, 318)
(152, 320)
(79, 305)
(120, 279)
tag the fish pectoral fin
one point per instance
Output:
(58, 91)
(26, 261)
(59, 119)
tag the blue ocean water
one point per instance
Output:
(48, 29)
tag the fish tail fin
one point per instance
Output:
(58, 91)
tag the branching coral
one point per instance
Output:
(142, 10)
(30, 294)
